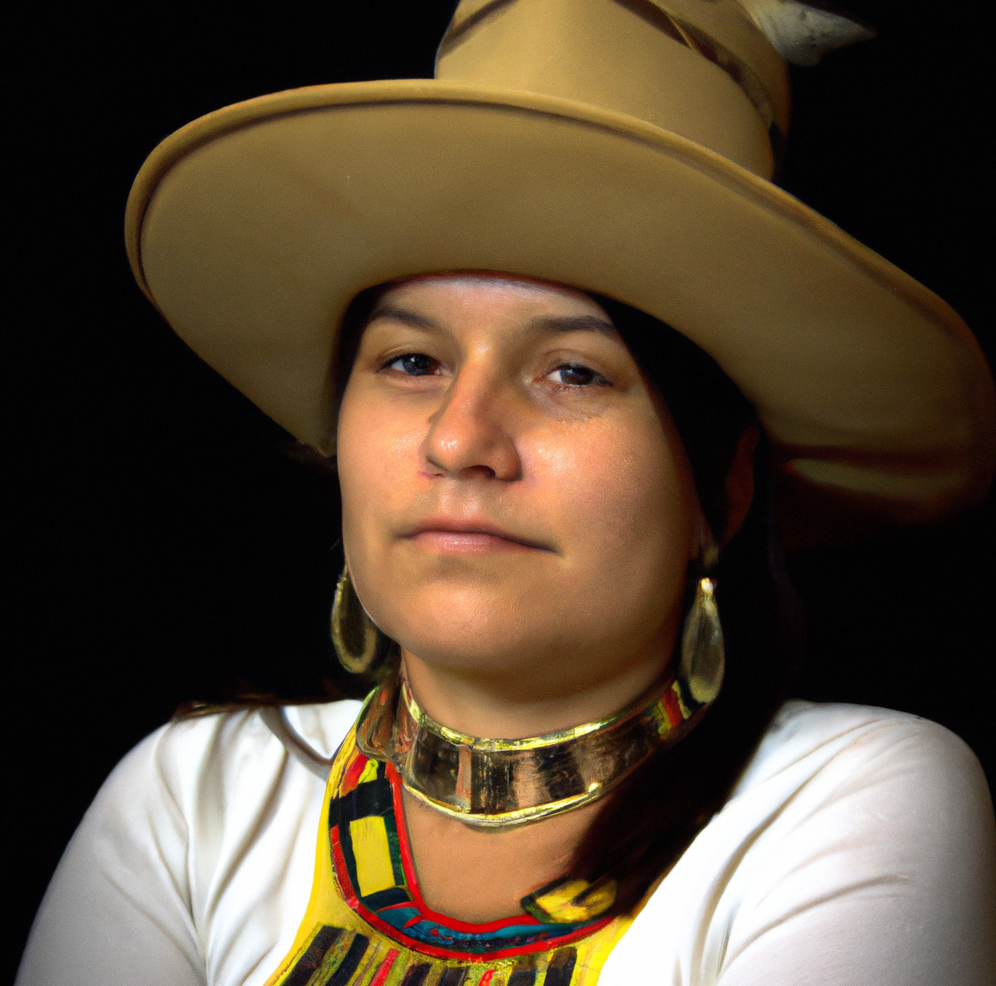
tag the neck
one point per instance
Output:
(518, 706)
(502, 782)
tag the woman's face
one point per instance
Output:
(517, 506)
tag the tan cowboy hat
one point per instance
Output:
(623, 147)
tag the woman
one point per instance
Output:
(498, 435)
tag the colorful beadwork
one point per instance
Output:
(367, 925)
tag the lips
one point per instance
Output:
(469, 535)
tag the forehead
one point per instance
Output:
(489, 292)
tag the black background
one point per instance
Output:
(165, 547)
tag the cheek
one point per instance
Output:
(370, 449)
(626, 495)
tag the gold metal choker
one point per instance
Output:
(500, 783)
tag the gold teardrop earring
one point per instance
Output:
(359, 643)
(703, 655)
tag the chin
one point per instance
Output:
(479, 638)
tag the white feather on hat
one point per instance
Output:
(802, 33)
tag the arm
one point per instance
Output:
(194, 864)
(118, 908)
(885, 875)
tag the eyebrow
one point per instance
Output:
(403, 315)
(572, 323)
(542, 323)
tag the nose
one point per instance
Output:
(470, 433)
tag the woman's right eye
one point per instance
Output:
(413, 364)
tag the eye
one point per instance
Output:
(413, 364)
(576, 375)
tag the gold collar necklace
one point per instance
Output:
(499, 783)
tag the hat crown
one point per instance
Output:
(698, 68)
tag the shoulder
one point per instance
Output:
(882, 796)
(198, 847)
(220, 762)
(868, 844)
(220, 740)
(218, 789)
(859, 846)
(876, 849)
(849, 745)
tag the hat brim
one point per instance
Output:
(252, 228)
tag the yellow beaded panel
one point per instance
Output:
(335, 946)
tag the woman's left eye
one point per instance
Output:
(412, 364)
(575, 375)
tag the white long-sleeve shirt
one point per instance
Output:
(858, 849)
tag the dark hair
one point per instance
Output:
(354, 321)
(651, 819)
(709, 411)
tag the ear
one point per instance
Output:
(740, 482)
